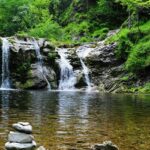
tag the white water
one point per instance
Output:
(82, 53)
(67, 76)
(40, 63)
(5, 64)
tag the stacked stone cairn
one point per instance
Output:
(21, 138)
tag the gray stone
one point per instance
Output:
(18, 137)
(19, 146)
(24, 127)
(107, 145)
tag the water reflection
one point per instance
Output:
(43, 103)
(4, 109)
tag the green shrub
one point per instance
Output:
(48, 29)
(100, 34)
(139, 57)
(74, 31)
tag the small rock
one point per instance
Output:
(107, 145)
(18, 146)
(41, 148)
(24, 127)
(17, 137)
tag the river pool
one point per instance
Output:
(76, 120)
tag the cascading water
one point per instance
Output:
(82, 52)
(40, 63)
(5, 64)
(67, 76)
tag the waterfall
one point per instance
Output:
(82, 52)
(5, 64)
(67, 76)
(86, 74)
(40, 63)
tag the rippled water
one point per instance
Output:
(76, 120)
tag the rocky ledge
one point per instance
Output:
(24, 66)
(105, 71)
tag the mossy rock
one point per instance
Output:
(53, 55)
(28, 85)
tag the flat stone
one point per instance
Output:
(18, 137)
(19, 146)
(24, 123)
(23, 127)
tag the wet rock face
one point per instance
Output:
(24, 71)
(102, 54)
(104, 69)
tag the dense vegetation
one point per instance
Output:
(77, 21)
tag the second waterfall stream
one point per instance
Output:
(67, 76)
(82, 52)
(40, 63)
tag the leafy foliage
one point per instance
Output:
(74, 21)
(134, 47)
(48, 29)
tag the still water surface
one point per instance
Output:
(76, 120)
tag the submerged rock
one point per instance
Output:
(23, 127)
(107, 145)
